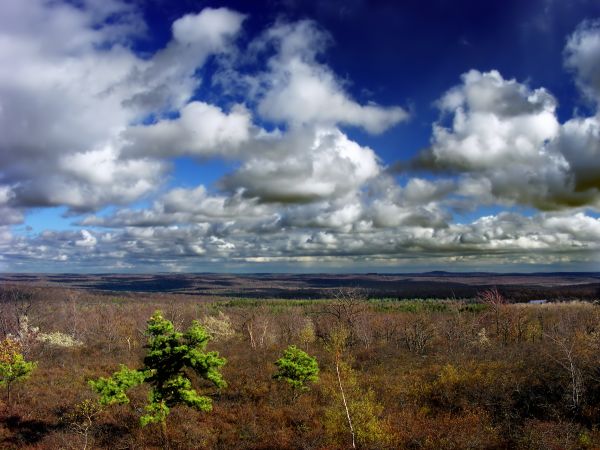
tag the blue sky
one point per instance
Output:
(300, 136)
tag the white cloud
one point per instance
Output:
(495, 123)
(336, 215)
(497, 239)
(168, 80)
(211, 28)
(201, 130)
(87, 239)
(579, 143)
(197, 206)
(300, 91)
(304, 165)
(69, 90)
(578, 226)
(505, 141)
(419, 191)
(8, 214)
(582, 55)
(86, 122)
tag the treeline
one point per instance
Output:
(420, 374)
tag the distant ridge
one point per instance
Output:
(434, 284)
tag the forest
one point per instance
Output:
(87, 369)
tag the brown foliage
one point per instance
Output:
(451, 377)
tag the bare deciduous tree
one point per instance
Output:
(496, 301)
(418, 334)
(567, 359)
(15, 303)
(347, 306)
(256, 324)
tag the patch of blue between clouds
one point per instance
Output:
(465, 218)
(189, 173)
(40, 219)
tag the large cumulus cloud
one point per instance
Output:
(71, 88)
(505, 142)
(305, 165)
(300, 91)
(201, 130)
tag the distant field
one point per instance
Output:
(517, 287)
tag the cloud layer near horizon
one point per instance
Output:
(87, 123)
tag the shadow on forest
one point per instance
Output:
(157, 284)
(108, 433)
(25, 431)
(30, 432)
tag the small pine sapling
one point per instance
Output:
(170, 357)
(13, 366)
(297, 368)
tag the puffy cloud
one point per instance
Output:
(102, 124)
(506, 144)
(343, 214)
(182, 206)
(300, 91)
(389, 205)
(550, 234)
(8, 214)
(69, 90)
(66, 28)
(87, 239)
(495, 123)
(387, 214)
(88, 180)
(210, 28)
(579, 143)
(201, 130)
(578, 226)
(582, 55)
(168, 80)
(420, 191)
(199, 201)
(497, 239)
(304, 165)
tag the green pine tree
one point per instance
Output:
(170, 358)
(13, 366)
(297, 368)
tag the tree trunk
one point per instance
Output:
(163, 432)
(8, 394)
(337, 369)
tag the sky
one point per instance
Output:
(299, 136)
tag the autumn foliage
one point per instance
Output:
(418, 374)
